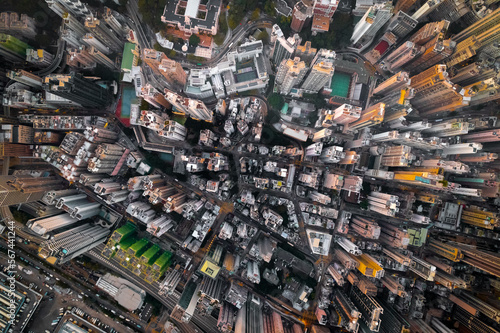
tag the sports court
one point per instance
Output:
(340, 84)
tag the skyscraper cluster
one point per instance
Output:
(300, 67)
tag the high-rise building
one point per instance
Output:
(249, 318)
(107, 158)
(99, 29)
(194, 108)
(429, 32)
(70, 37)
(100, 58)
(70, 244)
(225, 322)
(19, 26)
(325, 8)
(80, 57)
(434, 92)
(72, 23)
(77, 89)
(290, 74)
(39, 57)
(404, 54)
(314, 149)
(401, 24)
(472, 73)
(324, 55)
(97, 134)
(319, 76)
(450, 10)
(398, 81)
(305, 52)
(15, 150)
(435, 52)
(489, 22)
(374, 19)
(300, 14)
(370, 116)
(425, 9)
(26, 78)
(17, 134)
(346, 114)
(154, 97)
(332, 154)
(153, 59)
(482, 37)
(404, 6)
(173, 72)
(15, 190)
(91, 40)
(464, 50)
(284, 48)
(173, 131)
(115, 21)
(74, 7)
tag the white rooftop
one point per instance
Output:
(192, 8)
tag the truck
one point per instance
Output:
(27, 271)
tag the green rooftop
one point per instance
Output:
(151, 254)
(284, 109)
(340, 84)
(139, 247)
(14, 45)
(162, 262)
(126, 243)
(123, 232)
(128, 56)
(187, 294)
(126, 229)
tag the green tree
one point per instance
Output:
(219, 39)
(276, 101)
(238, 9)
(263, 36)
(194, 40)
(284, 24)
(364, 204)
(221, 31)
(232, 22)
(255, 14)
(444, 182)
(222, 24)
(269, 8)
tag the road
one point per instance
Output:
(207, 324)
(133, 10)
(79, 286)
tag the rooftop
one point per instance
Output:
(128, 56)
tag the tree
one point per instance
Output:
(221, 31)
(263, 36)
(364, 204)
(222, 24)
(219, 39)
(269, 8)
(284, 24)
(232, 22)
(255, 14)
(194, 40)
(276, 101)
(444, 182)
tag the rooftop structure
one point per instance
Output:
(192, 16)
